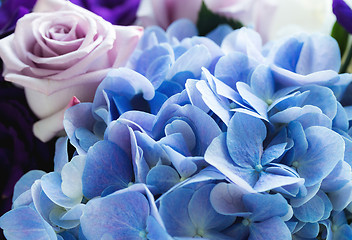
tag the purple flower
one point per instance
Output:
(11, 11)
(20, 151)
(119, 12)
(343, 14)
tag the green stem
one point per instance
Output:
(347, 61)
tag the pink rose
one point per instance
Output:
(60, 51)
(164, 12)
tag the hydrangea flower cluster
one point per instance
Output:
(213, 137)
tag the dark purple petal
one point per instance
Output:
(343, 14)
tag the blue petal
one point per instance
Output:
(26, 181)
(341, 198)
(245, 136)
(174, 212)
(202, 213)
(312, 211)
(71, 175)
(106, 165)
(192, 61)
(271, 229)
(326, 149)
(234, 67)
(265, 206)
(262, 82)
(227, 199)
(118, 216)
(156, 231)
(182, 28)
(218, 156)
(78, 116)
(244, 40)
(61, 155)
(163, 177)
(51, 184)
(309, 230)
(219, 33)
(85, 138)
(340, 176)
(25, 223)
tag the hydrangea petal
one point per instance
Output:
(271, 229)
(51, 184)
(321, 159)
(25, 182)
(245, 137)
(71, 175)
(117, 216)
(26, 223)
(202, 213)
(106, 165)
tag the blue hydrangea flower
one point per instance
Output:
(51, 201)
(239, 154)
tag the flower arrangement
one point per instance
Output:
(176, 131)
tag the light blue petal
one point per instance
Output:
(174, 212)
(269, 181)
(71, 176)
(287, 55)
(227, 199)
(262, 82)
(218, 105)
(323, 98)
(118, 216)
(265, 206)
(184, 166)
(192, 61)
(340, 176)
(25, 223)
(287, 78)
(51, 184)
(245, 136)
(148, 57)
(218, 156)
(271, 229)
(73, 120)
(155, 231)
(163, 177)
(234, 67)
(325, 150)
(327, 204)
(311, 211)
(257, 103)
(219, 33)
(61, 155)
(182, 28)
(319, 52)
(273, 152)
(341, 120)
(203, 215)
(244, 40)
(341, 198)
(309, 230)
(25, 182)
(106, 165)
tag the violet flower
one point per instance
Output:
(11, 11)
(118, 12)
(343, 14)
(20, 151)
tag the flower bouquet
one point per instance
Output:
(203, 124)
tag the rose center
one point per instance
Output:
(58, 32)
